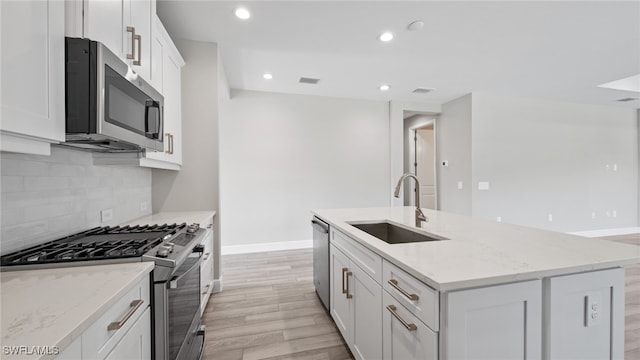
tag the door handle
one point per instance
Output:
(139, 38)
(132, 30)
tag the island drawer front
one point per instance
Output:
(426, 307)
(400, 342)
(98, 340)
(367, 260)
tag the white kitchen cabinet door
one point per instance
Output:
(32, 73)
(72, 352)
(340, 304)
(584, 316)
(367, 317)
(206, 269)
(409, 340)
(495, 322)
(124, 26)
(136, 344)
(137, 16)
(166, 71)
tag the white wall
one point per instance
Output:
(453, 143)
(196, 185)
(283, 155)
(47, 197)
(540, 157)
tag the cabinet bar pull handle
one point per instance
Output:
(206, 287)
(344, 271)
(139, 38)
(168, 151)
(394, 283)
(410, 327)
(349, 296)
(171, 142)
(132, 30)
(135, 304)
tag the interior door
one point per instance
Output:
(425, 166)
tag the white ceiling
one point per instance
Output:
(555, 50)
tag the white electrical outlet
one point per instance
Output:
(593, 215)
(550, 217)
(144, 207)
(499, 219)
(459, 185)
(483, 185)
(592, 309)
(614, 213)
(615, 167)
(106, 215)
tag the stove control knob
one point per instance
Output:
(193, 228)
(163, 252)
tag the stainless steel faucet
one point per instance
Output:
(419, 214)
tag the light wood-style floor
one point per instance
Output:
(268, 309)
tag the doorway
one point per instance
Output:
(420, 158)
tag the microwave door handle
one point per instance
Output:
(151, 104)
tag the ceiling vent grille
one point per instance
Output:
(422, 91)
(308, 80)
(628, 99)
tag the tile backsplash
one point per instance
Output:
(45, 197)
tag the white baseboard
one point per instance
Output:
(607, 232)
(274, 246)
(217, 285)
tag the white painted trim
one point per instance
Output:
(274, 246)
(217, 286)
(607, 232)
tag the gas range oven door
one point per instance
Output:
(179, 335)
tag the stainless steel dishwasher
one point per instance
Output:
(321, 259)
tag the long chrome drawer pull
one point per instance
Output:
(344, 271)
(135, 304)
(410, 327)
(349, 296)
(394, 283)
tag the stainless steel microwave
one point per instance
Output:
(109, 108)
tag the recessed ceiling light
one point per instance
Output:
(384, 87)
(242, 13)
(386, 36)
(267, 76)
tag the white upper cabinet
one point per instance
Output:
(32, 73)
(124, 26)
(166, 67)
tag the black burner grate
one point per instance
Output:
(95, 244)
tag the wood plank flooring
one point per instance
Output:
(268, 309)
(632, 301)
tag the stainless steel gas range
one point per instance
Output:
(176, 251)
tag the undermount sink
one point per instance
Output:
(394, 234)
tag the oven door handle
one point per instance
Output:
(176, 281)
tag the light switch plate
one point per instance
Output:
(483, 185)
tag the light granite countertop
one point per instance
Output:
(178, 217)
(53, 307)
(480, 252)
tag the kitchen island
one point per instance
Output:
(487, 290)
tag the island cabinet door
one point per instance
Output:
(404, 335)
(340, 304)
(584, 315)
(367, 317)
(496, 322)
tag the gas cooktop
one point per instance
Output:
(102, 243)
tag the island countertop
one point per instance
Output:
(480, 252)
(53, 307)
